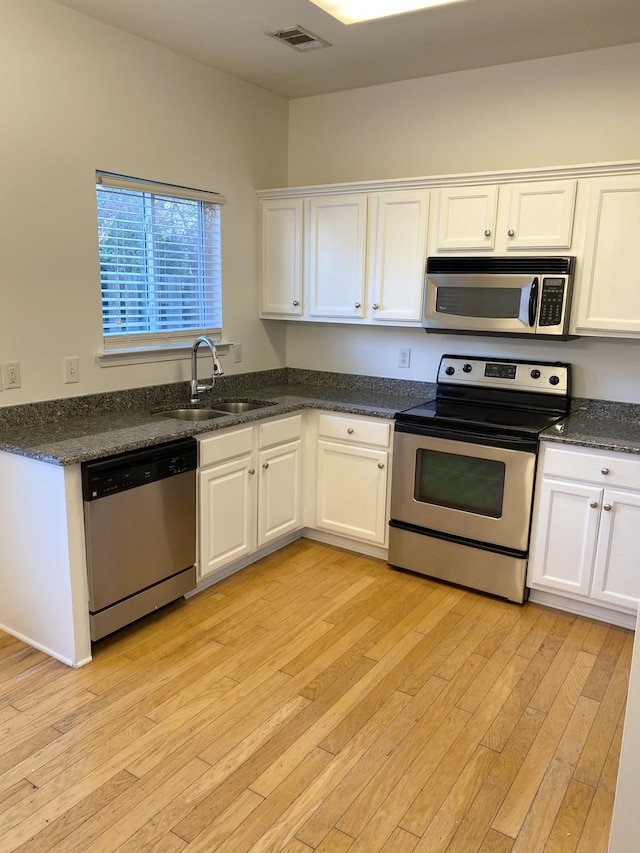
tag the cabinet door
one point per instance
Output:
(566, 528)
(616, 575)
(279, 491)
(398, 237)
(609, 281)
(467, 218)
(335, 234)
(351, 493)
(281, 257)
(540, 215)
(227, 513)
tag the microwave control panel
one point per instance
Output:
(551, 302)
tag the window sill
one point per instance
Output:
(161, 352)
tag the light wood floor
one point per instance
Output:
(319, 701)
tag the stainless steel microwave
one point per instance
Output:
(521, 297)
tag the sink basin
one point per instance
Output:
(191, 414)
(235, 407)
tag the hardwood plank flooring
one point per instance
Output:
(319, 701)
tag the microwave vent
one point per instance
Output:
(299, 38)
(487, 265)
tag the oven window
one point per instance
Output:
(460, 482)
(492, 302)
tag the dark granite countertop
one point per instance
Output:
(600, 424)
(68, 431)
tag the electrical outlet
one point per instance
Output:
(71, 369)
(404, 357)
(11, 374)
(237, 353)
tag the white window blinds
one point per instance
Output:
(160, 266)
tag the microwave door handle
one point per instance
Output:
(533, 302)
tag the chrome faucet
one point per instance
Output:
(196, 387)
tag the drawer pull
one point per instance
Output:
(350, 431)
(607, 507)
(604, 470)
(265, 465)
(511, 232)
(593, 504)
(381, 465)
(487, 233)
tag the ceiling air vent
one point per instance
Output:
(299, 38)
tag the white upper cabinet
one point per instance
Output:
(608, 284)
(397, 254)
(281, 257)
(532, 216)
(335, 235)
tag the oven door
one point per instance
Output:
(480, 490)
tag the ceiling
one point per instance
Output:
(230, 35)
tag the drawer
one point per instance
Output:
(225, 445)
(357, 430)
(604, 469)
(280, 431)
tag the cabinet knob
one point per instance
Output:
(487, 232)
(375, 306)
(296, 303)
(511, 232)
(252, 470)
(593, 504)
(350, 431)
(607, 507)
(265, 465)
(381, 465)
(604, 470)
(357, 305)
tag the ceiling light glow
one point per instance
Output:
(353, 11)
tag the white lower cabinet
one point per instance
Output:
(586, 518)
(249, 487)
(352, 477)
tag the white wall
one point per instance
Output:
(582, 108)
(77, 96)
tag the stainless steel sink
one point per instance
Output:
(235, 407)
(191, 414)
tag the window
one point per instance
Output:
(160, 270)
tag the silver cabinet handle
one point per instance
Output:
(350, 431)
(357, 305)
(375, 306)
(252, 470)
(593, 504)
(381, 465)
(607, 507)
(604, 470)
(296, 303)
(511, 232)
(265, 465)
(487, 233)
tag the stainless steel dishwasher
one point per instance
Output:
(140, 528)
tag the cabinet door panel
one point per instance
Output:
(227, 515)
(279, 491)
(609, 284)
(563, 548)
(467, 218)
(336, 255)
(281, 257)
(616, 575)
(541, 215)
(396, 269)
(351, 491)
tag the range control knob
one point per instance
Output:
(535, 374)
(467, 368)
(449, 370)
(553, 380)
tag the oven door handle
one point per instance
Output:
(533, 302)
(506, 442)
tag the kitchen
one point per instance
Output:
(69, 108)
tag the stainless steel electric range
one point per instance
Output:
(464, 468)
